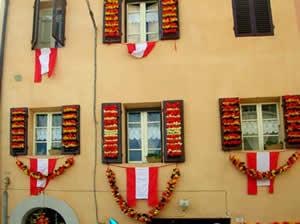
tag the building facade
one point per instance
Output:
(220, 52)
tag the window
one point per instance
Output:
(252, 17)
(48, 24)
(142, 21)
(47, 132)
(144, 136)
(260, 126)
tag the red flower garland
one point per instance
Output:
(231, 124)
(264, 175)
(169, 16)
(39, 176)
(70, 129)
(132, 213)
(111, 19)
(292, 116)
(174, 141)
(110, 131)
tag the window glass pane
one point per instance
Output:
(133, 22)
(250, 143)
(135, 155)
(152, 37)
(271, 140)
(156, 153)
(249, 112)
(56, 134)
(134, 117)
(154, 116)
(269, 111)
(41, 120)
(41, 134)
(154, 135)
(134, 136)
(249, 128)
(271, 127)
(41, 148)
(56, 120)
(56, 145)
(133, 38)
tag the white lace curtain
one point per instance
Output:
(269, 127)
(151, 17)
(134, 133)
(41, 134)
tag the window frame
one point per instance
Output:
(49, 133)
(143, 32)
(145, 111)
(260, 120)
(252, 17)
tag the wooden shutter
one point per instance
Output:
(18, 131)
(58, 22)
(173, 126)
(35, 27)
(71, 129)
(263, 17)
(112, 21)
(231, 134)
(111, 133)
(291, 111)
(169, 19)
(242, 17)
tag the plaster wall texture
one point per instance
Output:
(208, 63)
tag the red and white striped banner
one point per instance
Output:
(140, 50)
(44, 166)
(45, 59)
(142, 184)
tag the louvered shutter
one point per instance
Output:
(242, 17)
(231, 135)
(112, 21)
(173, 130)
(111, 133)
(291, 111)
(71, 129)
(18, 131)
(169, 19)
(35, 27)
(58, 22)
(263, 17)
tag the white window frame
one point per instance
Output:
(260, 123)
(144, 134)
(143, 23)
(49, 130)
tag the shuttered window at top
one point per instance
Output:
(252, 18)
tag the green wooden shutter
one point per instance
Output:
(71, 129)
(242, 17)
(169, 19)
(263, 17)
(18, 131)
(173, 130)
(35, 27)
(291, 111)
(112, 21)
(231, 135)
(111, 133)
(58, 22)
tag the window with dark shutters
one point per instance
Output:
(252, 17)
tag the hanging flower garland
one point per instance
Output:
(39, 176)
(132, 213)
(241, 166)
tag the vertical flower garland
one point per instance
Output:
(169, 19)
(173, 127)
(230, 123)
(112, 21)
(18, 128)
(71, 129)
(111, 132)
(291, 109)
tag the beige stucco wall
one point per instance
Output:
(208, 62)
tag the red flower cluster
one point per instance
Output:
(241, 166)
(132, 213)
(169, 16)
(230, 110)
(111, 131)
(39, 176)
(70, 127)
(292, 118)
(174, 141)
(111, 18)
(18, 128)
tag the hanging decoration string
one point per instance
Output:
(124, 167)
(271, 174)
(131, 212)
(39, 176)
